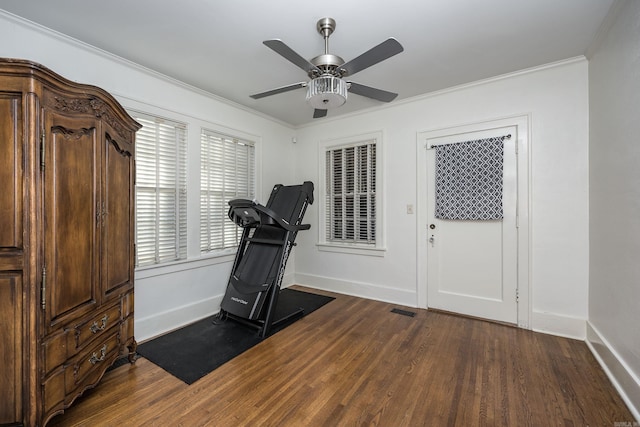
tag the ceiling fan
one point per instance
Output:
(327, 87)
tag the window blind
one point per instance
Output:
(350, 205)
(227, 172)
(161, 193)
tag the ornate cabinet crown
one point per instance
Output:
(66, 239)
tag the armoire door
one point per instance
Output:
(117, 214)
(72, 215)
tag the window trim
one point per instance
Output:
(377, 249)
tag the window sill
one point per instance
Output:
(351, 249)
(185, 264)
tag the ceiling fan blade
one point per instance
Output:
(372, 92)
(319, 113)
(376, 54)
(279, 90)
(289, 54)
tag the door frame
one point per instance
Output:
(521, 122)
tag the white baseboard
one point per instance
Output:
(555, 324)
(358, 289)
(622, 377)
(287, 280)
(160, 323)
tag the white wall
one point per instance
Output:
(170, 296)
(556, 98)
(614, 230)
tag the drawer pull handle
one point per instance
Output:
(95, 328)
(94, 357)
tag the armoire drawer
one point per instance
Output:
(85, 369)
(92, 327)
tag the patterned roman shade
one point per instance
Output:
(469, 179)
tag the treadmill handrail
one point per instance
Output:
(281, 221)
(273, 217)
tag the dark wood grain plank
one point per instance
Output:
(353, 362)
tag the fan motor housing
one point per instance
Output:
(328, 63)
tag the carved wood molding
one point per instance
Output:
(94, 106)
(73, 134)
(116, 146)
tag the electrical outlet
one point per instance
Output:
(409, 209)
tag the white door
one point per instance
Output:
(472, 264)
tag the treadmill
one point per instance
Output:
(268, 236)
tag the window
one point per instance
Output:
(227, 172)
(161, 193)
(351, 197)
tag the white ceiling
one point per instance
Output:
(217, 45)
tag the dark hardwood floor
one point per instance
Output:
(354, 362)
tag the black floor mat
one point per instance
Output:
(197, 349)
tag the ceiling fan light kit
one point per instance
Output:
(326, 92)
(326, 88)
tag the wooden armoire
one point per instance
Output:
(67, 176)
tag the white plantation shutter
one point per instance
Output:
(227, 172)
(350, 205)
(161, 193)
